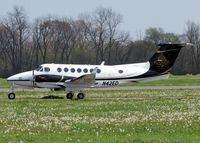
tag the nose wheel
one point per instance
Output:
(11, 96)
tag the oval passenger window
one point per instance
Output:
(59, 69)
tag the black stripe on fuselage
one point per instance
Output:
(52, 78)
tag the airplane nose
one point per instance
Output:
(12, 78)
(21, 76)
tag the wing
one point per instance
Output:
(84, 81)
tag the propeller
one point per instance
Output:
(33, 80)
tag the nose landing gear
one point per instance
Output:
(11, 96)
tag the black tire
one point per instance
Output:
(69, 95)
(81, 96)
(11, 96)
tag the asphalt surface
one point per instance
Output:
(113, 88)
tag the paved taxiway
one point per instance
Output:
(114, 88)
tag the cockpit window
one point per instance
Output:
(46, 69)
(40, 68)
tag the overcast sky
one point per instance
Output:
(138, 15)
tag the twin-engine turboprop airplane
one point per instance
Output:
(77, 77)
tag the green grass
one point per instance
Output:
(103, 116)
(4, 83)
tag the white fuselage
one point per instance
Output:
(56, 75)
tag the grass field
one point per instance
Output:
(170, 116)
(104, 116)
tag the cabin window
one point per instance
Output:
(46, 69)
(59, 69)
(91, 70)
(72, 70)
(79, 70)
(120, 71)
(85, 70)
(98, 70)
(66, 69)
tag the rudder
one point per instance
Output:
(164, 58)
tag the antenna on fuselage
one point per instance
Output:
(102, 63)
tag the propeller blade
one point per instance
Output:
(33, 75)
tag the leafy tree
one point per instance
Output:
(157, 35)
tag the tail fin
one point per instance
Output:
(163, 60)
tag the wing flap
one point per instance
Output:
(84, 81)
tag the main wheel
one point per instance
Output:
(11, 96)
(80, 95)
(69, 95)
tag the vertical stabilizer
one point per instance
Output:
(164, 58)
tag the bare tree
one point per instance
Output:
(95, 28)
(193, 36)
(41, 38)
(17, 33)
(113, 21)
(90, 39)
(103, 31)
(84, 51)
(121, 51)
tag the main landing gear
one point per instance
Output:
(70, 95)
(79, 95)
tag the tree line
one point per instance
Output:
(90, 39)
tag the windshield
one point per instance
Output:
(40, 68)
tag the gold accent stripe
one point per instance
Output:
(61, 79)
